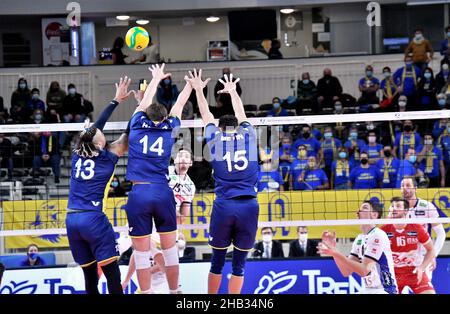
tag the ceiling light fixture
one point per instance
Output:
(287, 11)
(122, 17)
(212, 19)
(142, 21)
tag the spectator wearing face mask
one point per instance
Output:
(33, 258)
(167, 93)
(37, 117)
(340, 171)
(268, 248)
(329, 89)
(269, 179)
(35, 102)
(442, 78)
(277, 111)
(115, 189)
(73, 106)
(368, 86)
(223, 100)
(389, 90)
(426, 91)
(303, 246)
(421, 50)
(306, 95)
(407, 78)
(286, 160)
(313, 146)
(431, 162)
(55, 98)
(338, 109)
(353, 146)
(19, 100)
(402, 102)
(330, 147)
(408, 167)
(313, 178)
(364, 176)
(406, 139)
(445, 51)
(442, 101)
(6, 153)
(372, 148)
(297, 167)
(388, 168)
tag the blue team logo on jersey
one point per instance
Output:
(45, 218)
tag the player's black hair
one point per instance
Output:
(156, 112)
(35, 90)
(228, 121)
(265, 228)
(400, 199)
(376, 207)
(85, 147)
(30, 245)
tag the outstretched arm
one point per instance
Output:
(195, 80)
(230, 88)
(157, 75)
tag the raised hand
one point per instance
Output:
(158, 71)
(228, 85)
(122, 92)
(195, 80)
(329, 239)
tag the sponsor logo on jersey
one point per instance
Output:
(390, 234)
(420, 213)
(412, 233)
(95, 203)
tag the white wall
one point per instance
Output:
(177, 42)
(302, 38)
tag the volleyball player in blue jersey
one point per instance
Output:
(234, 158)
(150, 144)
(91, 236)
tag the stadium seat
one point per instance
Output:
(250, 107)
(265, 107)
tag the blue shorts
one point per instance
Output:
(147, 201)
(91, 237)
(234, 221)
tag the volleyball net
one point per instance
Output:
(307, 178)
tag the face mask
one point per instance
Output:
(428, 142)
(276, 105)
(448, 34)
(408, 64)
(35, 96)
(72, 91)
(372, 139)
(302, 153)
(353, 135)
(38, 117)
(33, 256)
(412, 159)
(387, 74)
(267, 238)
(303, 237)
(441, 102)
(402, 103)
(306, 135)
(114, 184)
(199, 138)
(445, 67)
(181, 244)
(286, 146)
(166, 81)
(305, 82)
(427, 75)
(407, 128)
(180, 142)
(342, 155)
(364, 161)
(369, 73)
(338, 108)
(418, 36)
(387, 153)
(328, 135)
(370, 127)
(22, 85)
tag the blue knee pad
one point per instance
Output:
(238, 263)
(217, 261)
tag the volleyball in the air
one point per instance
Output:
(137, 38)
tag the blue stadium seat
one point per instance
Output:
(15, 260)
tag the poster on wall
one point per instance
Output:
(55, 41)
(321, 30)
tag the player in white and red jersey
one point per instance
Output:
(420, 208)
(406, 240)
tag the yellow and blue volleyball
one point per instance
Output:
(137, 38)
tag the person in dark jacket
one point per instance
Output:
(268, 248)
(303, 246)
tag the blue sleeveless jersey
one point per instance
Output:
(234, 158)
(149, 148)
(89, 180)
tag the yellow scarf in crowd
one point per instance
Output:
(413, 70)
(342, 165)
(333, 147)
(412, 142)
(387, 167)
(429, 162)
